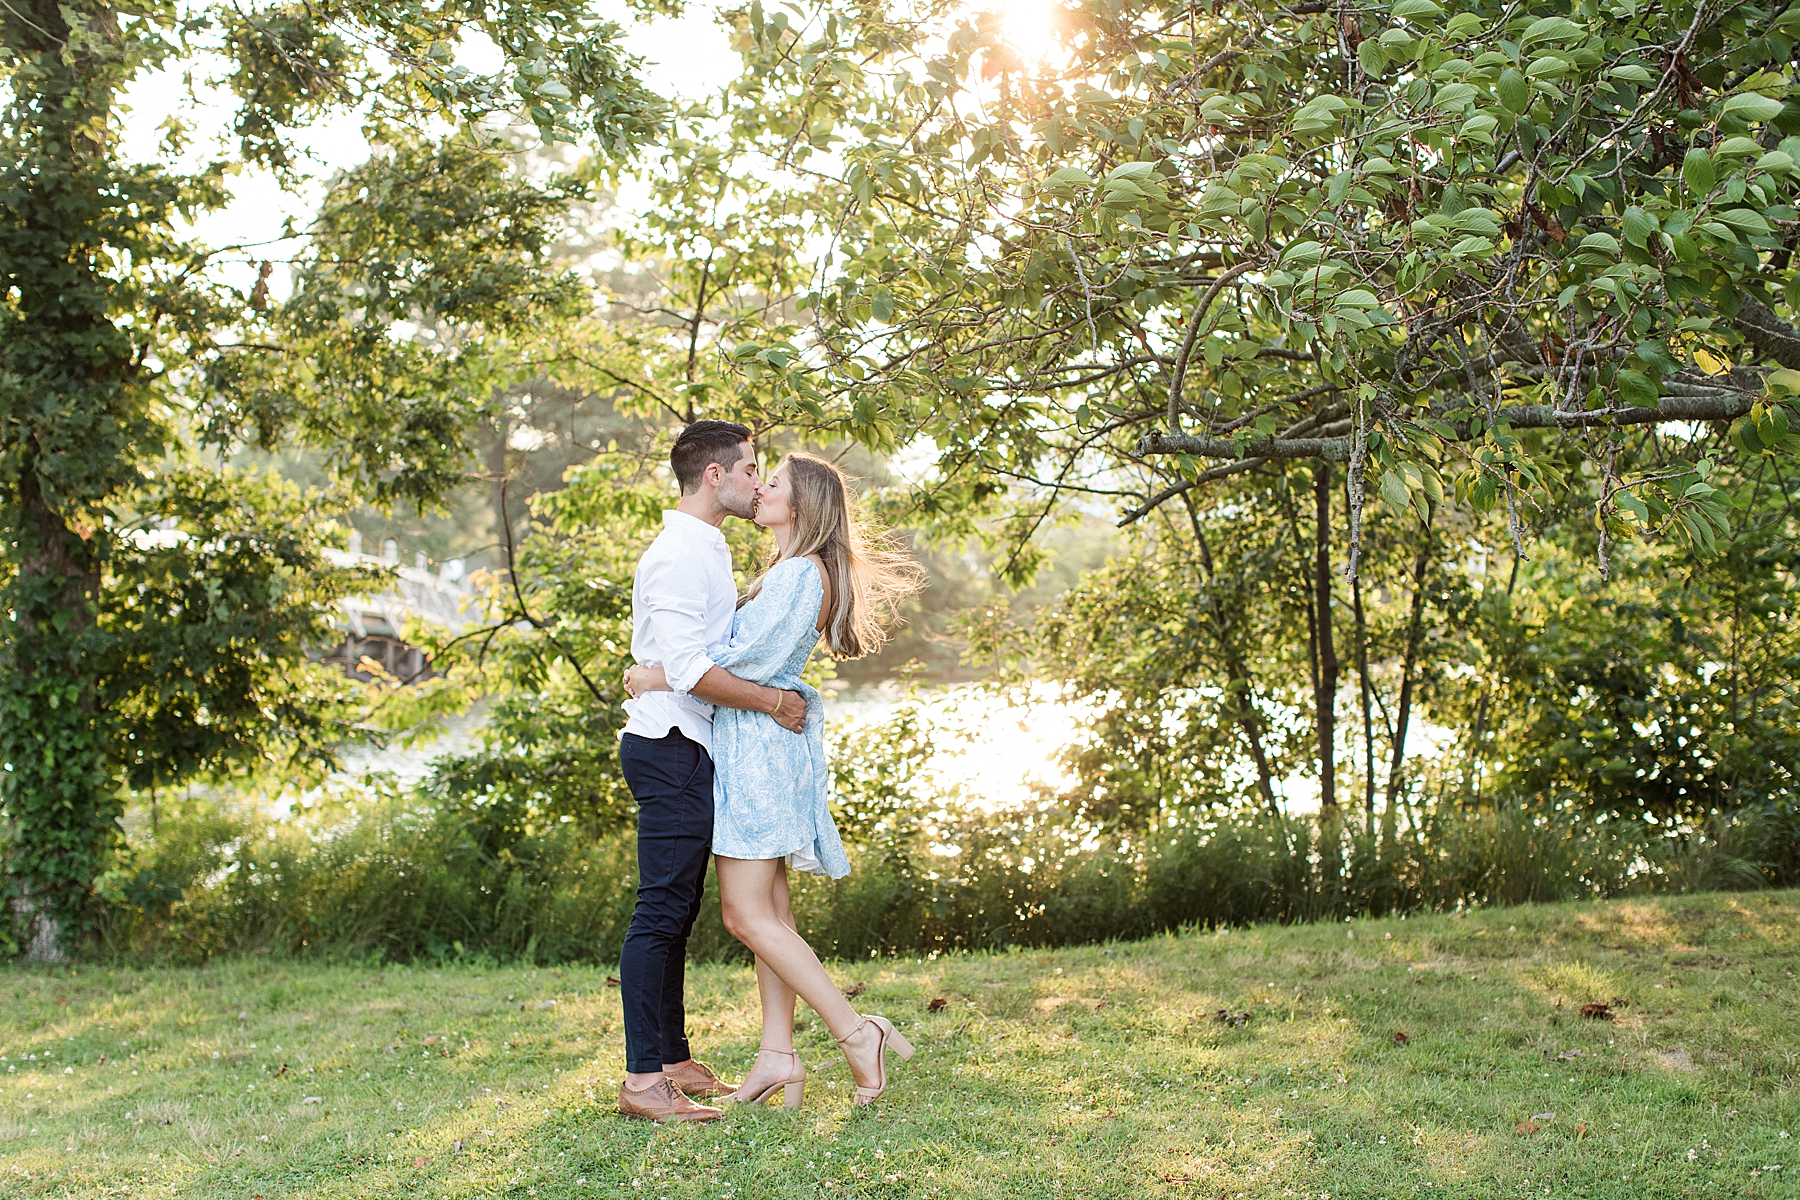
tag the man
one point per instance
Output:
(682, 600)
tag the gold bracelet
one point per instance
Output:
(779, 697)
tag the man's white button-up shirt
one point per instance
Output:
(682, 600)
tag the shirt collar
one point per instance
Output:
(674, 518)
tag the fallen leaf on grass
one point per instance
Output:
(1400, 1039)
(419, 1162)
(456, 1147)
(1543, 1116)
(1580, 1132)
(1234, 1019)
(938, 1004)
(612, 981)
(1526, 1127)
(1568, 1056)
(1101, 1004)
(1176, 1178)
(856, 989)
(281, 1072)
(1597, 1012)
(313, 1100)
(431, 1041)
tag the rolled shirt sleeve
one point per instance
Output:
(675, 620)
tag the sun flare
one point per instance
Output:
(1030, 27)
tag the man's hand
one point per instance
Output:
(792, 716)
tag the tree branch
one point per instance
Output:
(1710, 404)
(1769, 334)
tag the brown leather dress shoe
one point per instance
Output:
(663, 1101)
(695, 1078)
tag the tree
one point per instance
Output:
(119, 344)
(1493, 259)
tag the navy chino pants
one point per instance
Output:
(671, 778)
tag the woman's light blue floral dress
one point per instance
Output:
(771, 787)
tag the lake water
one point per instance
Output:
(995, 750)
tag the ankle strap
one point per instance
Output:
(772, 1050)
(860, 1022)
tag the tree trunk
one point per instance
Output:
(74, 423)
(1325, 696)
(1472, 785)
(496, 469)
(1236, 673)
(1362, 682)
(1415, 632)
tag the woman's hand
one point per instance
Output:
(640, 679)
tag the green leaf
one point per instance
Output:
(1394, 490)
(1746, 221)
(1697, 171)
(1479, 127)
(1372, 57)
(1476, 220)
(1412, 10)
(1773, 428)
(1739, 145)
(1551, 29)
(1605, 243)
(1452, 96)
(1636, 388)
(1132, 170)
(1514, 90)
(1751, 106)
(1461, 26)
(1637, 225)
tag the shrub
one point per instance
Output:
(406, 880)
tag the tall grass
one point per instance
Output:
(406, 879)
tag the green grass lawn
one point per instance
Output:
(1098, 1071)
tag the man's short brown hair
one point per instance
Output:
(702, 444)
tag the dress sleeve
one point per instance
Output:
(783, 615)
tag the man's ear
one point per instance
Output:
(713, 474)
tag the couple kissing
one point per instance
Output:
(724, 753)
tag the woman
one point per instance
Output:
(827, 577)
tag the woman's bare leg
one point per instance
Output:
(748, 896)
(778, 1001)
(778, 998)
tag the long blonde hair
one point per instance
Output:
(869, 572)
